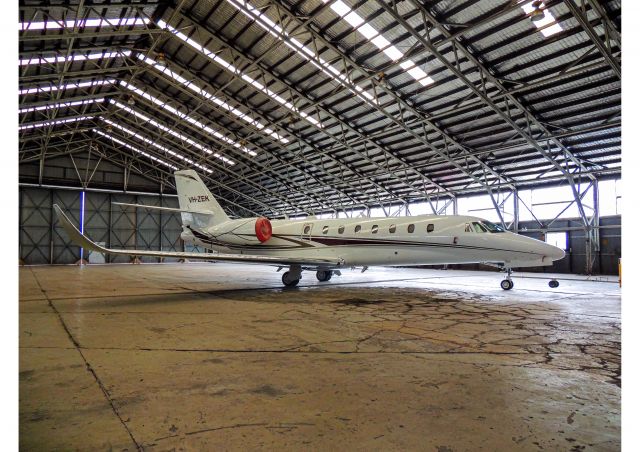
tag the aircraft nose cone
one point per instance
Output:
(556, 253)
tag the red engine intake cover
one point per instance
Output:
(263, 229)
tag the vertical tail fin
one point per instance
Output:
(194, 195)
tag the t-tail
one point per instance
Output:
(194, 197)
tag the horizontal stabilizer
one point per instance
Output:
(81, 240)
(165, 209)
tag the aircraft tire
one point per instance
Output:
(553, 283)
(287, 281)
(324, 275)
(506, 284)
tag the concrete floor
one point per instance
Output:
(214, 356)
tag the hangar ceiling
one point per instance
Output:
(311, 106)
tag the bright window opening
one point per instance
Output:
(231, 68)
(551, 202)
(546, 20)
(60, 105)
(187, 118)
(171, 131)
(482, 206)
(38, 125)
(305, 52)
(157, 145)
(77, 57)
(83, 23)
(139, 151)
(72, 85)
(382, 43)
(204, 93)
(610, 197)
(558, 239)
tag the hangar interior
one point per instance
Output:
(507, 110)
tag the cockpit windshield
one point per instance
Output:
(492, 227)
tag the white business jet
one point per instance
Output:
(328, 245)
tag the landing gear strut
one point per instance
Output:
(507, 283)
(324, 275)
(292, 277)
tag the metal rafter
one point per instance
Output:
(153, 151)
(255, 65)
(604, 47)
(228, 132)
(203, 158)
(350, 67)
(509, 101)
(296, 97)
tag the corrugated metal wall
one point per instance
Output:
(43, 241)
(606, 262)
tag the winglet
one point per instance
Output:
(75, 235)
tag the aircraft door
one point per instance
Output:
(307, 229)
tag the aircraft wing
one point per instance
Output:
(83, 241)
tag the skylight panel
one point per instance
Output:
(276, 31)
(135, 149)
(171, 131)
(382, 43)
(37, 125)
(77, 57)
(72, 85)
(60, 105)
(546, 20)
(187, 118)
(156, 145)
(231, 68)
(83, 23)
(204, 93)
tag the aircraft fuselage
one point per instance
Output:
(419, 240)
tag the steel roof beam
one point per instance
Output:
(423, 120)
(203, 158)
(604, 48)
(297, 98)
(509, 101)
(280, 159)
(90, 34)
(25, 80)
(152, 151)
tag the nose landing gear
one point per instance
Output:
(554, 283)
(507, 283)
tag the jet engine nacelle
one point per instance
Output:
(244, 231)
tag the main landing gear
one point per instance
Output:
(292, 277)
(507, 283)
(324, 275)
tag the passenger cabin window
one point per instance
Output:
(307, 229)
(392, 228)
(467, 228)
(411, 228)
(478, 227)
(430, 227)
(374, 229)
(357, 229)
(340, 229)
(325, 229)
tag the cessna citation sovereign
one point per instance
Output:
(328, 245)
